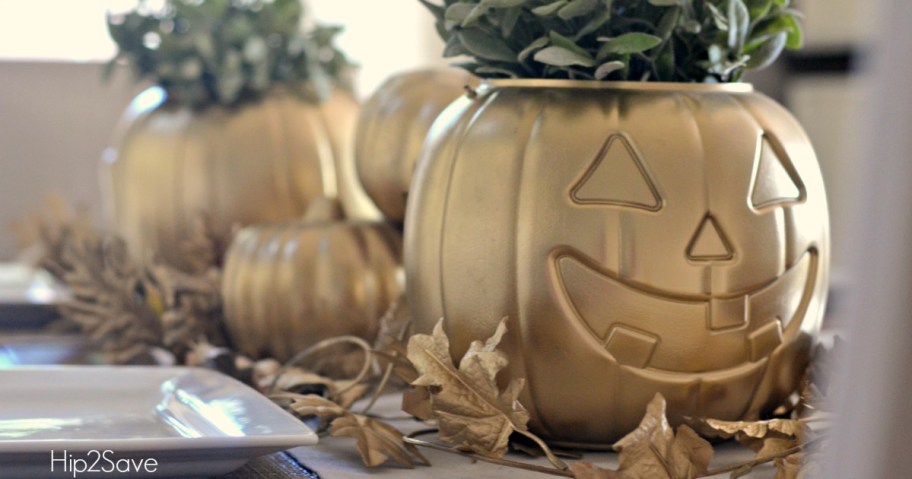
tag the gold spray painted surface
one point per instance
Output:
(392, 127)
(288, 286)
(263, 161)
(642, 238)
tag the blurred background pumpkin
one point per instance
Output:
(392, 127)
(289, 286)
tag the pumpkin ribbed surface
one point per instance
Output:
(287, 287)
(391, 131)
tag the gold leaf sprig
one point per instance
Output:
(654, 450)
(475, 416)
(307, 394)
(108, 300)
(471, 410)
(131, 310)
(205, 245)
(377, 442)
(191, 306)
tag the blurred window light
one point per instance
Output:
(382, 36)
(57, 30)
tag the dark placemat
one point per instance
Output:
(277, 466)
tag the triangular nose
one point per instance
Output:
(709, 243)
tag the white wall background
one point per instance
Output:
(384, 36)
(838, 22)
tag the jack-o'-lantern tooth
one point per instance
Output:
(631, 347)
(709, 243)
(617, 177)
(775, 182)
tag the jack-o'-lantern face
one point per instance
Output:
(720, 288)
(668, 239)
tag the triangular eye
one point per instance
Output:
(775, 183)
(617, 177)
(709, 243)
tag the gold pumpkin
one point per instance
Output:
(641, 238)
(289, 286)
(264, 160)
(391, 131)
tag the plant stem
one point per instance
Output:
(326, 344)
(554, 460)
(379, 390)
(502, 462)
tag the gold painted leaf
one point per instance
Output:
(789, 467)
(347, 392)
(395, 355)
(471, 410)
(757, 429)
(394, 324)
(417, 402)
(377, 442)
(309, 405)
(767, 438)
(588, 470)
(690, 454)
(654, 451)
(773, 446)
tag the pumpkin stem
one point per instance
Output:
(322, 210)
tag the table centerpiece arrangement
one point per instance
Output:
(610, 243)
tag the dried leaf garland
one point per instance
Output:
(108, 302)
(470, 409)
(192, 306)
(394, 325)
(130, 310)
(390, 347)
(205, 247)
(310, 405)
(377, 442)
(655, 451)
(754, 434)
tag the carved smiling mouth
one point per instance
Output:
(678, 333)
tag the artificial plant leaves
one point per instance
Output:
(635, 40)
(228, 51)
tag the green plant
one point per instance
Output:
(227, 51)
(641, 40)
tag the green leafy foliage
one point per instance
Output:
(227, 51)
(638, 40)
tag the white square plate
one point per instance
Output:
(192, 422)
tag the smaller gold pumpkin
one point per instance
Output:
(288, 286)
(392, 127)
